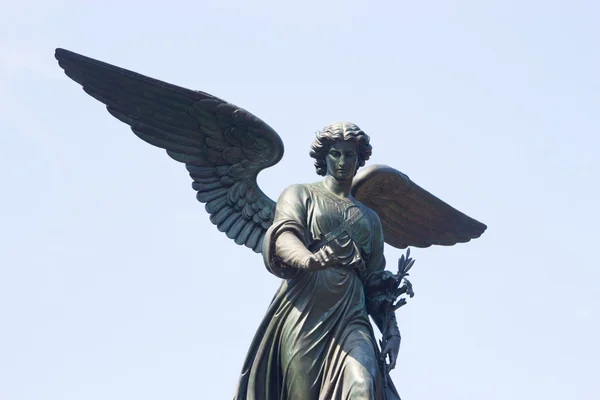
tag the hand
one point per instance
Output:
(324, 258)
(391, 350)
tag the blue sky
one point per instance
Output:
(114, 284)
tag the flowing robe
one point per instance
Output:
(316, 341)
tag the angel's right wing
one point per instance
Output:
(410, 215)
(224, 147)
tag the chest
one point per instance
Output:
(328, 214)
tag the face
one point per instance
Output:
(342, 159)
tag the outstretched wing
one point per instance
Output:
(410, 215)
(223, 146)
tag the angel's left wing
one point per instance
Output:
(224, 147)
(410, 215)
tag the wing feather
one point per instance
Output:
(223, 146)
(255, 238)
(410, 215)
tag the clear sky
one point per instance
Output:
(115, 285)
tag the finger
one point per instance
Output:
(327, 257)
(324, 253)
(319, 256)
(385, 352)
(323, 263)
(383, 358)
(324, 259)
(392, 362)
(319, 263)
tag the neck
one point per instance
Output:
(338, 187)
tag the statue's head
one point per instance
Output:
(340, 149)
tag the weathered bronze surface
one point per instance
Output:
(325, 239)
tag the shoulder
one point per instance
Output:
(373, 217)
(369, 212)
(295, 192)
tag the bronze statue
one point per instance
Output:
(325, 239)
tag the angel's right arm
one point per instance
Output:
(285, 248)
(292, 251)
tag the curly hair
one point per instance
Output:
(339, 131)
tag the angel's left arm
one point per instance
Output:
(375, 266)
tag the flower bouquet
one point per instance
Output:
(385, 289)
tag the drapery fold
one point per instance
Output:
(316, 341)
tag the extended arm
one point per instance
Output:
(293, 253)
(286, 242)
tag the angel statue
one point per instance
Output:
(324, 240)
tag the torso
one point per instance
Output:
(327, 211)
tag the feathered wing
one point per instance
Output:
(410, 215)
(223, 146)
